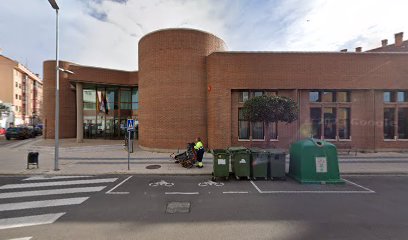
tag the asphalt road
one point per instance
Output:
(192, 207)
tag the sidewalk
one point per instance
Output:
(109, 157)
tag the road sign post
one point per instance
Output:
(130, 128)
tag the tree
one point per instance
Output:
(270, 109)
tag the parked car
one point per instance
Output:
(31, 131)
(17, 132)
(38, 131)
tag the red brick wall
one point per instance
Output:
(227, 71)
(67, 119)
(173, 87)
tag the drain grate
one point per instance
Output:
(153, 167)
(178, 207)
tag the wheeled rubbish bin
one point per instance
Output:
(277, 164)
(240, 161)
(259, 163)
(220, 164)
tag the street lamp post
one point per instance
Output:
(54, 5)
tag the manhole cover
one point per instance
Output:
(178, 207)
(153, 167)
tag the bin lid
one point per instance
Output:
(275, 150)
(220, 151)
(237, 149)
(258, 150)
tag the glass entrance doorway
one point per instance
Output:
(106, 110)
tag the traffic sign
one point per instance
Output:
(130, 124)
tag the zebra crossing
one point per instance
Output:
(57, 191)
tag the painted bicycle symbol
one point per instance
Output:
(161, 183)
(211, 183)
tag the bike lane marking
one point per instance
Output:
(111, 190)
(181, 193)
(235, 192)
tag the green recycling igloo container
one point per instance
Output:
(240, 161)
(314, 161)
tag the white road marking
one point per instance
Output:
(50, 192)
(24, 238)
(59, 183)
(256, 187)
(42, 204)
(110, 191)
(366, 190)
(7, 223)
(35, 178)
(355, 184)
(341, 192)
(161, 183)
(375, 175)
(181, 193)
(231, 192)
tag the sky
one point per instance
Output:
(105, 33)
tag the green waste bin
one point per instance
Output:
(314, 161)
(220, 163)
(259, 163)
(277, 163)
(240, 161)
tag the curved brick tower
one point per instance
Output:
(173, 86)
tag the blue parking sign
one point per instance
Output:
(130, 124)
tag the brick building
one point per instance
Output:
(22, 91)
(189, 85)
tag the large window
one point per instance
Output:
(243, 96)
(125, 99)
(329, 119)
(389, 123)
(316, 118)
(403, 123)
(257, 130)
(344, 123)
(135, 99)
(329, 96)
(273, 130)
(243, 126)
(389, 96)
(89, 99)
(395, 114)
(106, 108)
(402, 96)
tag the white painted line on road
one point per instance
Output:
(357, 185)
(59, 183)
(110, 191)
(7, 223)
(35, 178)
(42, 204)
(367, 190)
(181, 193)
(231, 192)
(24, 238)
(50, 192)
(256, 187)
(375, 175)
(341, 192)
